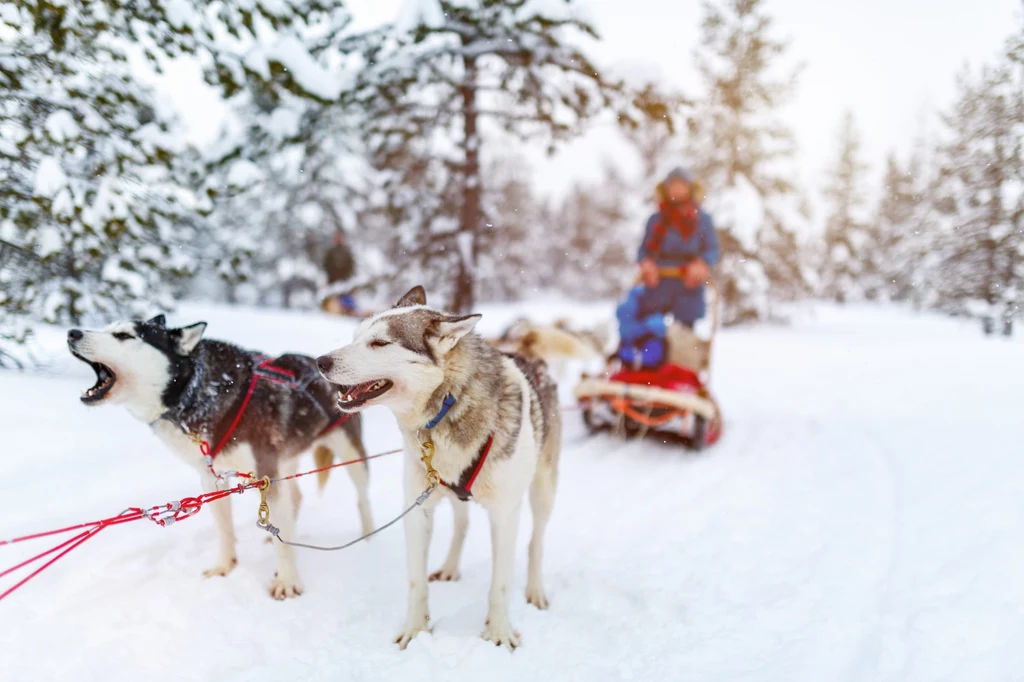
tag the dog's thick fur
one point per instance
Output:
(420, 355)
(556, 344)
(183, 385)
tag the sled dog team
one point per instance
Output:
(492, 416)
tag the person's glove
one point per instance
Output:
(696, 274)
(649, 273)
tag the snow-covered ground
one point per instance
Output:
(860, 520)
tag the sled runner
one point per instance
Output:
(671, 399)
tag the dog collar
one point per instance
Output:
(449, 400)
(463, 488)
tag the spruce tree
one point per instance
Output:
(850, 269)
(90, 197)
(741, 150)
(903, 232)
(977, 197)
(448, 83)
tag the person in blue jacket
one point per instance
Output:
(675, 258)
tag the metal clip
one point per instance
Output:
(263, 514)
(427, 457)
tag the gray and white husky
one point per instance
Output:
(184, 386)
(496, 429)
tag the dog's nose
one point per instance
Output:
(75, 335)
(324, 363)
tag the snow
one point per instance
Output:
(244, 173)
(50, 177)
(179, 14)
(313, 77)
(860, 520)
(284, 122)
(739, 208)
(114, 270)
(61, 126)
(414, 13)
(49, 240)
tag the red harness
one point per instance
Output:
(463, 489)
(265, 369)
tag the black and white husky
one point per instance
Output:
(496, 429)
(258, 415)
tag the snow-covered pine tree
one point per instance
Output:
(447, 82)
(740, 149)
(279, 191)
(850, 269)
(88, 194)
(902, 231)
(593, 239)
(979, 199)
(289, 171)
(510, 268)
(656, 135)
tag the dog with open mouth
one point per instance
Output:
(496, 428)
(258, 414)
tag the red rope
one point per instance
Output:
(335, 466)
(73, 542)
(162, 515)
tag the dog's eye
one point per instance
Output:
(123, 336)
(379, 343)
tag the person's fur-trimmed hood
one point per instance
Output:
(697, 187)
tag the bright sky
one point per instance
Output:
(892, 62)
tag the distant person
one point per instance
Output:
(340, 266)
(675, 257)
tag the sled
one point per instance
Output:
(671, 400)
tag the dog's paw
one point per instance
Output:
(501, 634)
(222, 568)
(445, 575)
(410, 631)
(536, 596)
(284, 589)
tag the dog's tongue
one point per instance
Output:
(359, 389)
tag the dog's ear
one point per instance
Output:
(415, 296)
(447, 331)
(159, 321)
(188, 337)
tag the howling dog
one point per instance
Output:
(258, 414)
(496, 431)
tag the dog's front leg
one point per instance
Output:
(450, 569)
(418, 524)
(281, 497)
(504, 529)
(226, 558)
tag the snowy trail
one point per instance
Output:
(860, 520)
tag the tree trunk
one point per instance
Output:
(471, 210)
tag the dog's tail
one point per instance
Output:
(323, 457)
